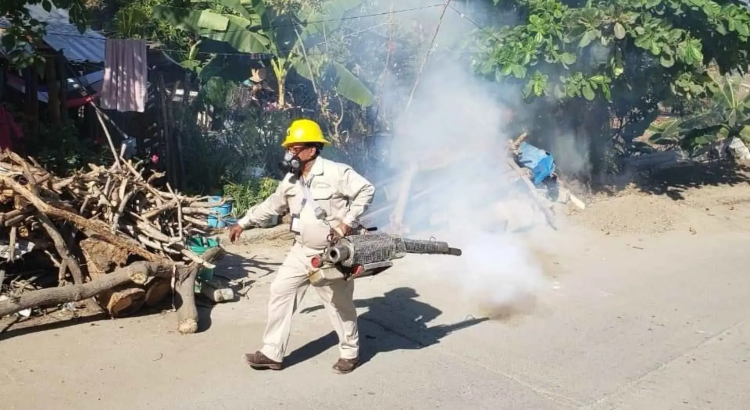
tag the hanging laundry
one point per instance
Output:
(125, 86)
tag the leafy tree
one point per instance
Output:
(248, 26)
(134, 19)
(596, 59)
(576, 49)
(25, 33)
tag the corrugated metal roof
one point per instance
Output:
(61, 35)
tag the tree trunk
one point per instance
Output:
(282, 90)
(137, 272)
(140, 273)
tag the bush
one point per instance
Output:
(250, 193)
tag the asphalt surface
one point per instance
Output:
(626, 323)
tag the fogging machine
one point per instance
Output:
(363, 253)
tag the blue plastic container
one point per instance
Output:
(219, 216)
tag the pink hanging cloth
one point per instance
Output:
(125, 87)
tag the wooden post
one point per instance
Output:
(166, 134)
(183, 120)
(62, 76)
(53, 89)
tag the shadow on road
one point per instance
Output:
(233, 266)
(235, 272)
(397, 313)
(674, 182)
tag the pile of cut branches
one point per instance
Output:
(116, 241)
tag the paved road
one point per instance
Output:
(630, 323)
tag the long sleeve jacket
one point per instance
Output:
(337, 188)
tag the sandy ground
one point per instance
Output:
(643, 305)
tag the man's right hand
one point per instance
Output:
(234, 233)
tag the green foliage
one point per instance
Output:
(583, 50)
(727, 116)
(135, 19)
(26, 33)
(251, 27)
(61, 150)
(250, 193)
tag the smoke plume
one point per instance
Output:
(459, 120)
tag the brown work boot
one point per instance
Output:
(258, 360)
(344, 366)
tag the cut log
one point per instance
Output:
(138, 272)
(102, 258)
(157, 291)
(126, 302)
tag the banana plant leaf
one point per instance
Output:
(252, 10)
(343, 81)
(666, 132)
(215, 27)
(350, 87)
(191, 20)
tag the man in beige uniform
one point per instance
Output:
(322, 196)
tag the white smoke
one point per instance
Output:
(456, 117)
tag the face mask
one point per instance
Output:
(292, 163)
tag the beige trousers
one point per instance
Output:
(287, 290)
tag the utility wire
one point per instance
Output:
(304, 23)
(477, 25)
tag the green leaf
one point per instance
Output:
(695, 53)
(668, 129)
(745, 133)
(568, 58)
(191, 20)
(246, 9)
(643, 42)
(743, 29)
(527, 88)
(587, 38)
(619, 31)
(518, 71)
(47, 6)
(588, 92)
(302, 68)
(617, 70)
(243, 41)
(229, 29)
(350, 87)
(666, 60)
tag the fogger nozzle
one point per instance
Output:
(338, 253)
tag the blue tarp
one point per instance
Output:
(540, 162)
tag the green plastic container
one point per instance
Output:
(199, 245)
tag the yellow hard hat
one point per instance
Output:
(304, 132)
